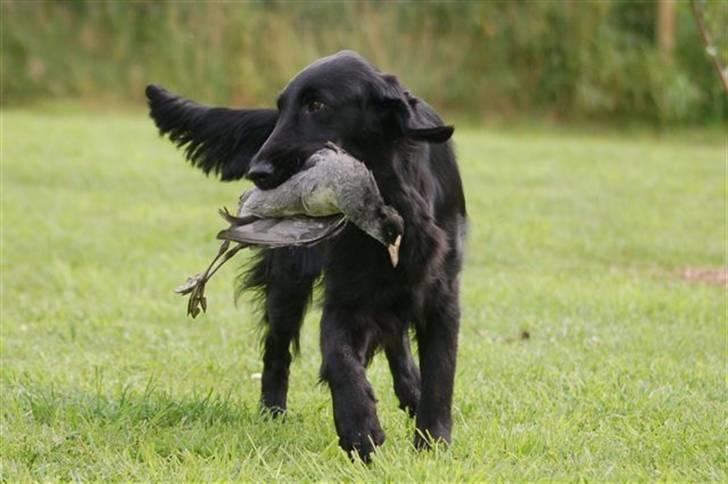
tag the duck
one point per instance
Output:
(331, 190)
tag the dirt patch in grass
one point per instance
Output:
(717, 276)
(710, 275)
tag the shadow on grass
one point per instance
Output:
(149, 426)
(150, 407)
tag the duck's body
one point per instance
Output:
(331, 183)
(311, 206)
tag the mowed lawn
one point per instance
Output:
(579, 240)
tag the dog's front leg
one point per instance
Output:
(344, 343)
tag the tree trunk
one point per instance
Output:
(665, 28)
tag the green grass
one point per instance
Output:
(577, 239)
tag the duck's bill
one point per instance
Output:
(393, 250)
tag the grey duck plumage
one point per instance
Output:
(331, 189)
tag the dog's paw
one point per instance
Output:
(362, 440)
(272, 409)
(426, 439)
(409, 399)
(273, 412)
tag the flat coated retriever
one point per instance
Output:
(368, 304)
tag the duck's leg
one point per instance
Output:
(195, 285)
(201, 277)
(234, 220)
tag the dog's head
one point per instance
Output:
(340, 98)
(344, 99)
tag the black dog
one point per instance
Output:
(368, 304)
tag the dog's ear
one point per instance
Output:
(217, 140)
(412, 121)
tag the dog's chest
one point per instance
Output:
(358, 273)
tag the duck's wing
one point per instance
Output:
(289, 231)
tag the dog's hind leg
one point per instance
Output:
(285, 278)
(405, 374)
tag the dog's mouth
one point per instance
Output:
(282, 173)
(269, 182)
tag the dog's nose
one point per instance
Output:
(260, 172)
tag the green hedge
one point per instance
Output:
(563, 59)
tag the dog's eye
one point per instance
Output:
(315, 106)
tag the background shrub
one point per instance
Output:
(557, 58)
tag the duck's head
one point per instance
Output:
(386, 226)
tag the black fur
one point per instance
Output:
(218, 140)
(367, 303)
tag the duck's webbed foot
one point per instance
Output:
(195, 285)
(190, 284)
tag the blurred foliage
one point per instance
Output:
(564, 59)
